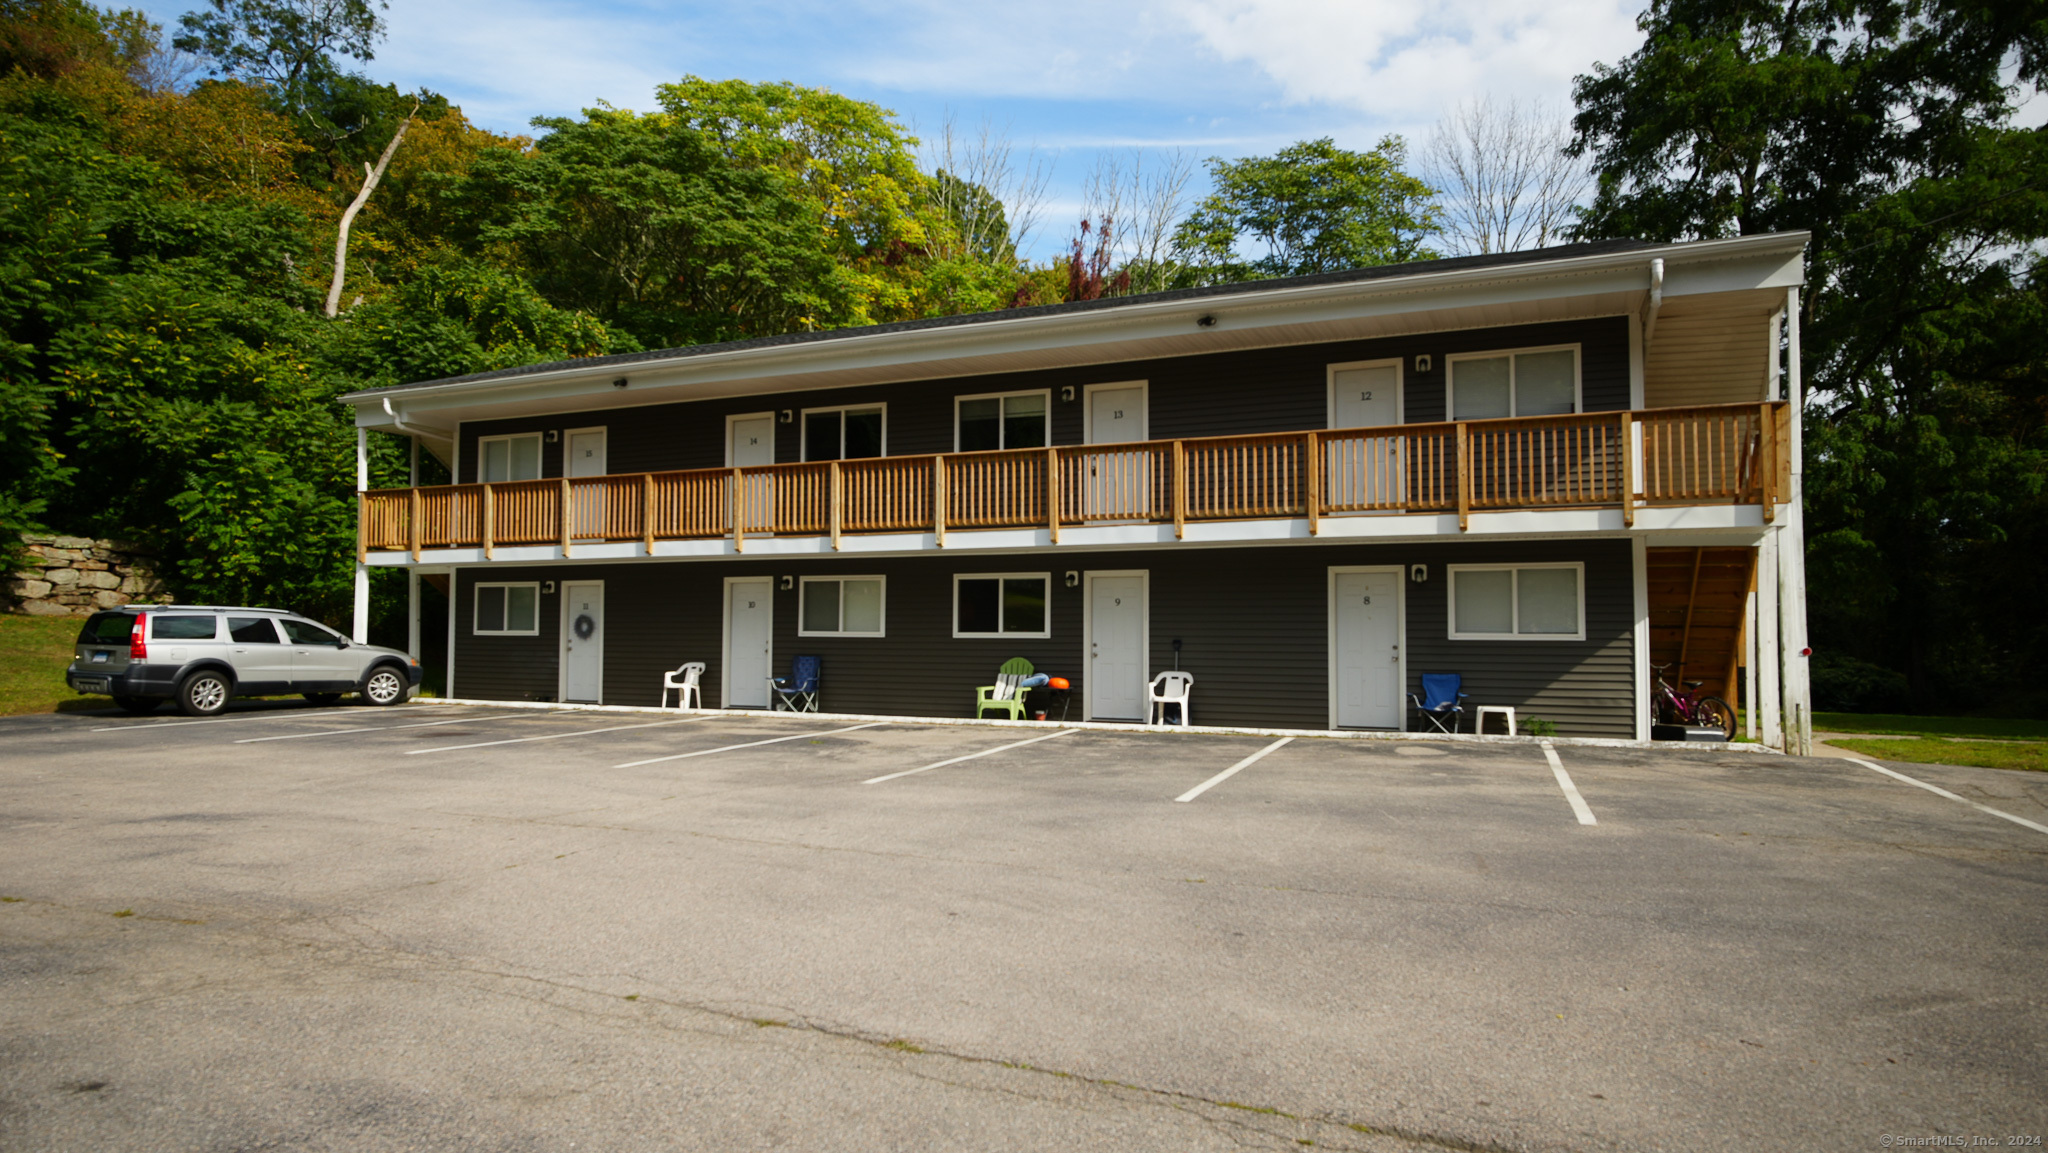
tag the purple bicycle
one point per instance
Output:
(1687, 707)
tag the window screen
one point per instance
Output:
(510, 458)
(508, 608)
(1515, 384)
(251, 631)
(1000, 606)
(181, 628)
(1521, 602)
(842, 606)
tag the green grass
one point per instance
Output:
(33, 653)
(1996, 728)
(1978, 754)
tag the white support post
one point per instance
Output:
(448, 673)
(1750, 709)
(412, 478)
(1639, 550)
(1770, 704)
(412, 612)
(361, 632)
(1792, 552)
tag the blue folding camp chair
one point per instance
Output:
(1439, 700)
(797, 692)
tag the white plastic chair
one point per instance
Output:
(684, 682)
(1171, 689)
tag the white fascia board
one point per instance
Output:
(1714, 265)
(1703, 524)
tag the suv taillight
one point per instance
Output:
(138, 649)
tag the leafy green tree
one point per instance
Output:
(1885, 128)
(288, 45)
(1311, 207)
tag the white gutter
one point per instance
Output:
(789, 358)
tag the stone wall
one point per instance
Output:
(74, 576)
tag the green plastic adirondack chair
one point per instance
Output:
(1004, 695)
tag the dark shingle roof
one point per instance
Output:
(1381, 272)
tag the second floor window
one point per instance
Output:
(508, 458)
(1535, 382)
(1017, 420)
(843, 433)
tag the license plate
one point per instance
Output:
(100, 657)
(92, 684)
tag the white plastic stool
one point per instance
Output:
(1479, 718)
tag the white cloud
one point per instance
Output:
(1405, 62)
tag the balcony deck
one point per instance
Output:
(1715, 455)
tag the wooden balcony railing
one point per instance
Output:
(1721, 454)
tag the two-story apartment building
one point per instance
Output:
(1541, 470)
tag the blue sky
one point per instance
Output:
(1071, 78)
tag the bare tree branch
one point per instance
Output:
(1505, 176)
(1147, 198)
(989, 162)
(370, 178)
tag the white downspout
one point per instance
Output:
(1656, 301)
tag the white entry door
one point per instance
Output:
(749, 642)
(1117, 665)
(1117, 485)
(583, 641)
(1368, 653)
(1360, 472)
(586, 457)
(751, 444)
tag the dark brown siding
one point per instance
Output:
(1257, 390)
(1254, 624)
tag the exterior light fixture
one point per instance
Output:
(1067, 393)
(554, 437)
(1206, 320)
(1419, 573)
(1073, 579)
(547, 588)
(619, 383)
(789, 416)
(1424, 364)
(788, 583)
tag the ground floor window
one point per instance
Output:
(1001, 605)
(507, 610)
(1518, 602)
(841, 607)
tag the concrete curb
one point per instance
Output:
(1122, 727)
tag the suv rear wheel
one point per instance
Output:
(204, 693)
(139, 705)
(384, 686)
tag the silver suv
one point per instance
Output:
(203, 655)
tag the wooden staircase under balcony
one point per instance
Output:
(1698, 603)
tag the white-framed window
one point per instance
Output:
(502, 459)
(1529, 602)
(1002, 604)
(847, 433)
(1002, 420)
(507, 609)
(842, 606)
(1514, 382)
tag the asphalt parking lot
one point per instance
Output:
(463, 928)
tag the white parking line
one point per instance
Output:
(280, 714)
(968, 757)
(1230, 772)
(1564, 781)
(1941, 792)
(552, 736)
(748, 745)
(389, 728)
